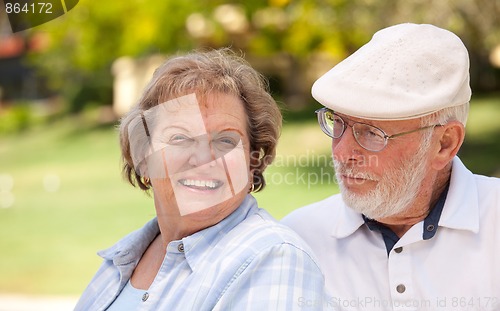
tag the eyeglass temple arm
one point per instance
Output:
(413, 131)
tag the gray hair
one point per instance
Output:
(443, 116)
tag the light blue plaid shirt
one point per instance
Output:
(245, 262)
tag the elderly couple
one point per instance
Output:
(414, 230)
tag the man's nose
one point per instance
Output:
(346, 149)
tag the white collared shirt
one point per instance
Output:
(457, 269)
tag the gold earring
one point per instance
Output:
(147, 181)
(252, 188)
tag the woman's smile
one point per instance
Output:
(201, 185)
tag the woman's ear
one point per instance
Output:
(450, 139)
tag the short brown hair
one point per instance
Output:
(205, 72)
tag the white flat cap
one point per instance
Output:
(405, 71)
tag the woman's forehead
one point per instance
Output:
(207, 113)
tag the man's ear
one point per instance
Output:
(450, 139)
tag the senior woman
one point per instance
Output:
(200, 138)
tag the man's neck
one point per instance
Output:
(421, 205)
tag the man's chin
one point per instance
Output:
(365, 205)
(371, 211)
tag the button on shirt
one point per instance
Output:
(245, 262)
(457, 269)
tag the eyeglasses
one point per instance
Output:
(368, 136)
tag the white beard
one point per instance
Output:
(395, 190)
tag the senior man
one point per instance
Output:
(413, 228)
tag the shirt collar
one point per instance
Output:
(129, 250)
(432, 220)
(460, 210)
(430, 224)
(347, 220)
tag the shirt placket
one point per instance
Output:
(170, 275)
(402, 290)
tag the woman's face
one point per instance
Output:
(199, 160)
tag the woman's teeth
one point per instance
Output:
(207, 184)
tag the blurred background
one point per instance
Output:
(64, 85)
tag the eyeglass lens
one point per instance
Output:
(367, 136)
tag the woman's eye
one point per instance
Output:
(179, 139)
(225, 144)
(228, 141)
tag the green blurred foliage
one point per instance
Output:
(16, 119)
(85, 41)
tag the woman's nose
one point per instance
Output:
(202, 152)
